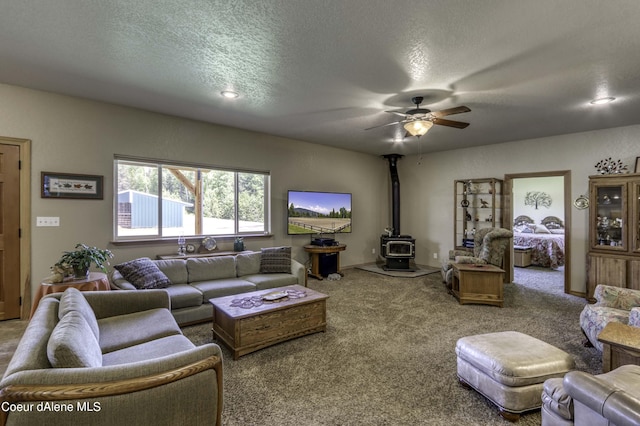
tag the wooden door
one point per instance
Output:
(9, 232)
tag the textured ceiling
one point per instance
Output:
(324, 70)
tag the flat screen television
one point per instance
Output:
(311, 212)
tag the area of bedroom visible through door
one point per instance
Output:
(537, 209)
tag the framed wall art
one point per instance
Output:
(68, 185)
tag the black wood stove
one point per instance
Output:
(396, 249)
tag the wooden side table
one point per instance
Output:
(96, 281)
(620, 345)
(316, 251)
(480, 284)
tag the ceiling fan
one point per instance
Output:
(418, 121)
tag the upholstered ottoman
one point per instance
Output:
(509, 368)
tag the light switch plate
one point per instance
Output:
(47, 221)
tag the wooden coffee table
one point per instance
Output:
(246, 323)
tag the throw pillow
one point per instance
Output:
(143, 273)
(72, 344)
(72, 300)
(275, 260)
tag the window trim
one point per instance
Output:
(161, 164)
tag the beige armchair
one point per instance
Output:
(489, 247)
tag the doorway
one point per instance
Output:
(15, 201)
(565, 193)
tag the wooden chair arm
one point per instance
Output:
(20, 393)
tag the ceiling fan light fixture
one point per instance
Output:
(603, 101)
(229, 94)
(418, 127)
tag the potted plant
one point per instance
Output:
(79, 260)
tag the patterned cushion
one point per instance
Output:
(143, 273)
(275, 260)
(72, 344)
(469, 260)
(634, 317)
(593, 320)
(616, 297)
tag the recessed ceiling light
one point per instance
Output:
(602, 101)
(229, 94)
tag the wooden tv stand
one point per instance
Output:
(316, 251)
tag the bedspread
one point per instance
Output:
(547, 249)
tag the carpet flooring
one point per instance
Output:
(413, 272)
(388, 355)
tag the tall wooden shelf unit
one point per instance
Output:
(614, 232)
(478, 204)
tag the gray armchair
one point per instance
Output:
(580, 398)
(489, 247)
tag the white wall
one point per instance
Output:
(81, 136)
(552, 186)
(428, 186)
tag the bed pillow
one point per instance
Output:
(528, 229)
(275, 260)
(541, 229)
(557, 231)
(143, 273)
(519, 228)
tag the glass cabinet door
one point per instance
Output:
(610, 204)
(635, 216)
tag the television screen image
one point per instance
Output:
(318, 212)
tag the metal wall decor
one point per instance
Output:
(610, 167)
(537, 198)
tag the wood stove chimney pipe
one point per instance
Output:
(395, 192)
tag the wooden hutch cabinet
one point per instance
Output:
(477, 205)
(614, 232)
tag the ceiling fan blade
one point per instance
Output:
(450, 111)
(402, 114)
(384, 125)
(450, 123)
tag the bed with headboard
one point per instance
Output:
(546, 239)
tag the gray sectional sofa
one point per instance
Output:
(110, 358)
(193, 281)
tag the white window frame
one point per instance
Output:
(161, 164)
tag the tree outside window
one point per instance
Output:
(188, 200)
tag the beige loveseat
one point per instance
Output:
(110, 358)
(191, 282)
